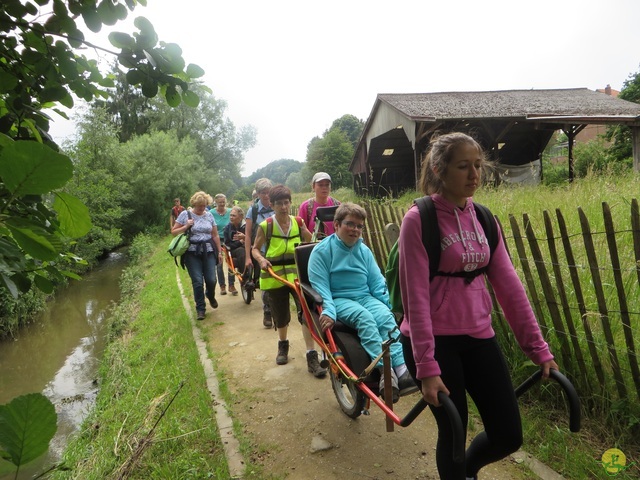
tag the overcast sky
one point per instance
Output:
(291, 67)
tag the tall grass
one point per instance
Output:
(612, 418)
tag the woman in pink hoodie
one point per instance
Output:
(448, 340)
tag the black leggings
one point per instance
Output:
(477, 367)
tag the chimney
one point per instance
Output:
(607, 89)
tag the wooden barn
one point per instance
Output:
(514, 126)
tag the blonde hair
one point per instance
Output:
(200, 198)
(435, 165)
(238, 210)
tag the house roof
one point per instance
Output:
(563, 104)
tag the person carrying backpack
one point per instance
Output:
(274, 247)
(449, 343)
(321, 186)
(257, 213)
(204, 251)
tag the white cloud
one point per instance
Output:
(290, 68)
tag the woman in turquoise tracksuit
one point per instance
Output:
(344, 272)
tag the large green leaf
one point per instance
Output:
(194, 71)
(27, 425)
(190, 98)
(34, 239)
(31, 168)
(73, 215)
(122, 40)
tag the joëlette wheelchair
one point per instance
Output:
(245, 279)
(344, 355)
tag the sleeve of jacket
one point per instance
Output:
(319, 273)
(416, 300)
(515, 305)
(377, 282)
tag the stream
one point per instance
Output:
(58, 355)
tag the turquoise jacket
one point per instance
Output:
(338, 271)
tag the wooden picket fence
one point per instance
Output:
(584, 287)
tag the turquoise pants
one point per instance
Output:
(373, 320)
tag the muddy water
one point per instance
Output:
(58, 355)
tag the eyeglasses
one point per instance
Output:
(359, 226)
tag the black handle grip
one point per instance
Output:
(454, 418)
(572, 396)
(456, 427)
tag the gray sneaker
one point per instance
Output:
(394, 386)
(313, 365)
(406, 385)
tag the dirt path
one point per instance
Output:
(288, 412)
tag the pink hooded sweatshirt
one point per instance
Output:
(449, 305)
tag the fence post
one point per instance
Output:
(562, 293)
(602, 304)
(577, 289)
(622, 298)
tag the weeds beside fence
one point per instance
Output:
(583, 280)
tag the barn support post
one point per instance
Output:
(635, 148)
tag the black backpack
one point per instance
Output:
(431, 243)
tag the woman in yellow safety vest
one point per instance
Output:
(281, 233)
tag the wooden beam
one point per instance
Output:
(635, 148)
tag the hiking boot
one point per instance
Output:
(213, 302)
(201, 315)
(313, 365)
(394, 386)
(223, 289)
(232, 290)
(283, 352)
(266, 321)
(406, 385)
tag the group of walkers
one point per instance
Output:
(446, 341)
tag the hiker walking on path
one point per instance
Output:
(321, 186)
(449, 343)
(204, 251)
(175, 211)
(274, 247)
(221, 216)
(234, 238)
(257, 213)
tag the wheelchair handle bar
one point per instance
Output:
(570, 392)
(454, 419)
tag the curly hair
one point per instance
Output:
(200, 198)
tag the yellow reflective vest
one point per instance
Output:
(279, 252)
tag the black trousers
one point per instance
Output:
(474, 366)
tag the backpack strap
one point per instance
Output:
(488, 223)
(310, 204)
(269, 232)
(431, 236)
(430, 232)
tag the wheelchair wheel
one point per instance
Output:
(350, 398)
(247, 291)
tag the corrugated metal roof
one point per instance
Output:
(575, 102)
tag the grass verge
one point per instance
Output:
(153, 416)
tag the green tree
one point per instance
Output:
(98, 183)
(351, 126)
(277, 171)
(621, 148)
(332, 154)
(157, 167)
(39, 70)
